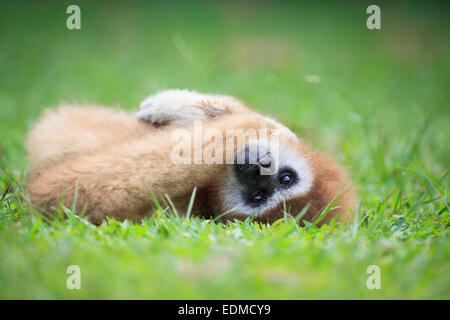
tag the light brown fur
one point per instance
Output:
(113, 163)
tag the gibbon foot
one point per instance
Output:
(182, 107)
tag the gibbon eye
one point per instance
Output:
(286, 178)
(258, 196)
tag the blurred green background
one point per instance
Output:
(377, 99)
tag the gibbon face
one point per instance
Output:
(302, 178)
(251, 192)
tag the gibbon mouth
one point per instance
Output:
(249, 171)
(249, 174)
(253, 161)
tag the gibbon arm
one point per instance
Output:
(118, 181)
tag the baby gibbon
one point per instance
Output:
(111, 163)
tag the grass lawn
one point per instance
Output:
(377, 99)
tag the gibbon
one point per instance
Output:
(112, 163)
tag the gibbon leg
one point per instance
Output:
(181, 107)
(71, 131)
(119, 181)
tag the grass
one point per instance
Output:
(378, 100)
